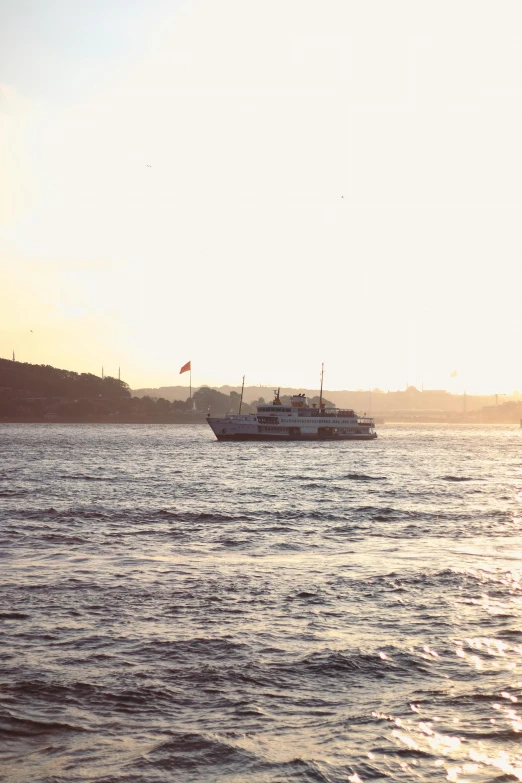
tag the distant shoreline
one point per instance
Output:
(201, 419)
(188, 418)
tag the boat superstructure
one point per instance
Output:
(296, 420)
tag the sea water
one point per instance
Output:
(177, 609)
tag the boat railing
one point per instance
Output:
(366, 420)
(333, 412)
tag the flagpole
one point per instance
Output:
(188, 366)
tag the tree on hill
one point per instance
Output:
(181, 405)
(219, 404)
(84, 407)
(315, 401)
(210, 399)
(42, 380)
(162, 406)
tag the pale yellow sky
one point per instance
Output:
(261, 187)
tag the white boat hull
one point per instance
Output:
(227, 429)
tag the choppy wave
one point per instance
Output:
(457, 478)
(73, 477)
(363, 477)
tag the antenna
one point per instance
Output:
(241, 398)
(13, 357)
(321, 392)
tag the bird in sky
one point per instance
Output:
(31, 331)
(148, 165)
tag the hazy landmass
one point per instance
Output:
(410, 403)
(33, 392)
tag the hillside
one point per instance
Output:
(42, 380)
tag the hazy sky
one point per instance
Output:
(263, 186)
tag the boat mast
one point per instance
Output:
(321, 392)
(241, 398)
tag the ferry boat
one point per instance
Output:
(296, 421)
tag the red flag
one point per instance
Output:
(185, 368)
